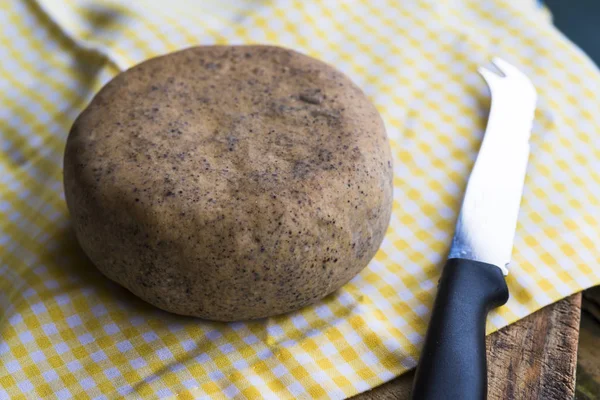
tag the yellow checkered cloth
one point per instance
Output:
(67, 332)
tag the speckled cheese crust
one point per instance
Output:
(229, 182)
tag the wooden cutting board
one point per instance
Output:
(534, 358)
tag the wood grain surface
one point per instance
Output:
(534, 358)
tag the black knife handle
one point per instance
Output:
(453, 363)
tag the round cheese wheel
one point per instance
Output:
(229, 182)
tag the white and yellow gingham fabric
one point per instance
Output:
(67, 332)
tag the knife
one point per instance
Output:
(453, 360)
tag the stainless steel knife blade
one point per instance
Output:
(487, 221)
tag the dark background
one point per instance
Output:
(579, 20)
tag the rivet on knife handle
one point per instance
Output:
(453, 360)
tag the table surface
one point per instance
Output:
(534, 358)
